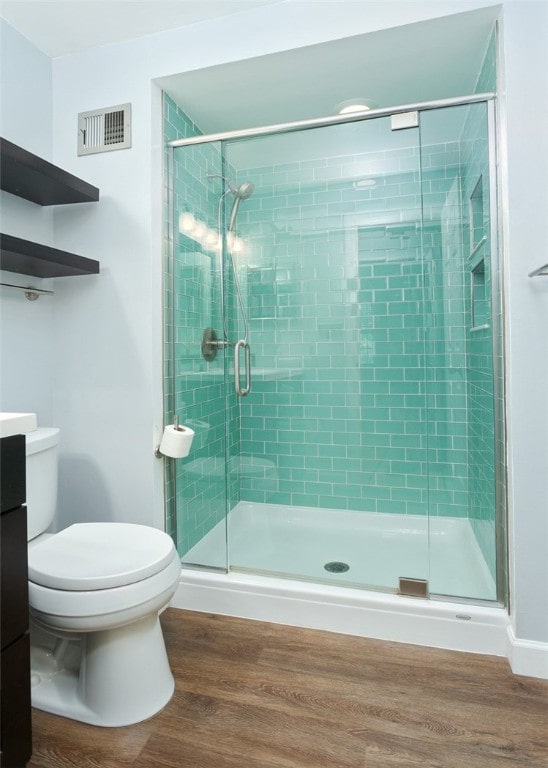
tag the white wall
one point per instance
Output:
(525, 28)
(107, 330)
(26, 327)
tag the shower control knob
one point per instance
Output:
(211, 344)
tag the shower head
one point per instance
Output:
(242, 192)
(245, 190)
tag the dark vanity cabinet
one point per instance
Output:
(15, 706)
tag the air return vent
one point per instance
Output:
(103, 130)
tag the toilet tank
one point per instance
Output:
(41, 465)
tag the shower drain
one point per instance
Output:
(336, 567)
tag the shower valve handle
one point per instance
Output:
(211, 344)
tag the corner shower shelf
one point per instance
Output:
(34, 179)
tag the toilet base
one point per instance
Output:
(109, 678)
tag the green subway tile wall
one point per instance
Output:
(194, 389)
(368, 407)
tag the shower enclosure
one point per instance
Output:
(333, 336)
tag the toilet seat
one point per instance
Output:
(99, 556)
(96, 576)
(96, 609)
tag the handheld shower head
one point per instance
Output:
(240, 193)
(244, 191)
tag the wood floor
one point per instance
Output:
(256, 695)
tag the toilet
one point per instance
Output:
(95, 594)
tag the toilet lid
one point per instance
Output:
(88, 556)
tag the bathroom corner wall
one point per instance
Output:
(26, 328)
(26, 94)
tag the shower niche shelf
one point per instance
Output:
(32, 178)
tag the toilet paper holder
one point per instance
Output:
(183, 436)
(157, 449)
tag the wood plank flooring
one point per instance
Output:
(256, 695)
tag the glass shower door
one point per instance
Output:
(332, 456)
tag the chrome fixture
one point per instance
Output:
(240, 193)
(541, 271)
(244, 191)
(413, 587)
(210, 343)
(242, 391)
(30, 293)
(349, 117)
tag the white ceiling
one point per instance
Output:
(60, 27)
(434, 59)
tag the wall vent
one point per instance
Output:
(104, 130)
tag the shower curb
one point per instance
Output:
(433, 623)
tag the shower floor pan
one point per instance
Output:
(361, 549)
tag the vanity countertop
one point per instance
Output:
(17, 423)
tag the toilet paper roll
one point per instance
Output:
(176, 441)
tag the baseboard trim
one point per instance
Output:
(527, 657)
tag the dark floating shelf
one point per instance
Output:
(28, 258)
(29, 176)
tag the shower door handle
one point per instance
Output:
(242, 391)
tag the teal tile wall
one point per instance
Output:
(363, 412)
(194, 389)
